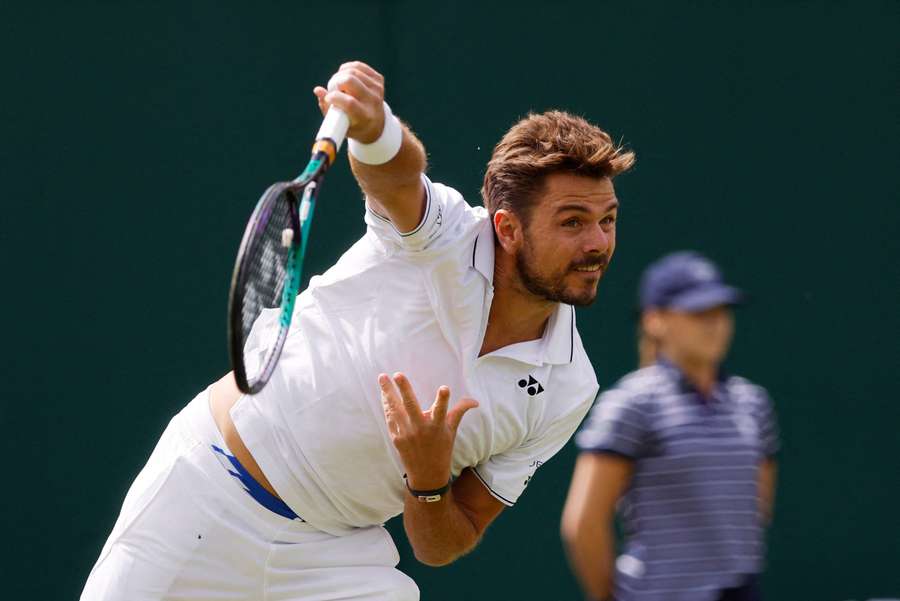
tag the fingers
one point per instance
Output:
(363, 67)
(320, 93)
(345, 102)
(391, 404)
(410, 402)
(439, 408)
(375, 85)
(402, 409)
(356, 84)
(455, 415)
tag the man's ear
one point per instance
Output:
(509, 230)
(653, 324)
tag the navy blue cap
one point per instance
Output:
(685, 281)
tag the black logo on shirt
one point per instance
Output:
(436, 226)
(531, 385)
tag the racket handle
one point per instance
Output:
(334, 127)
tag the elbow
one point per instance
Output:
(442, 555)
(576, 530)
(566, 534)
(569, 528)
(434, 559)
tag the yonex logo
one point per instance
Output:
(531, 385)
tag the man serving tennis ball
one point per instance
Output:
(282, 494)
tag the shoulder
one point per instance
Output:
(449, 197)
(452, 219)
(642, 385)
(622, 417)
(447, 220)
(748, 393)
(635, 396)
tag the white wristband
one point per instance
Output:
(385, 147)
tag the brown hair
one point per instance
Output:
(541, 144)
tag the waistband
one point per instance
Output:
(254, 488)
(197, 418)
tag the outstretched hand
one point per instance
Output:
(424, 439)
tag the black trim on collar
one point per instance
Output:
(572, 336)
(685, 385)
(377, 214)
(474, 248)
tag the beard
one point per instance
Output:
(552, 287)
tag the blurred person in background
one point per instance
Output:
(681, 450)
(646, 347)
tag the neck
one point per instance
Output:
(701, 374)
(516, 315)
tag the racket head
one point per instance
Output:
(264, 283)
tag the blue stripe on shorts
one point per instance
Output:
(255, 489)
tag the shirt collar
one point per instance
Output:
(559, 335)
(557, 344)
(483, 251)
(684, 384)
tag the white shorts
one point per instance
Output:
(188, 530)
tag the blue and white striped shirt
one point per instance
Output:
(691, 512)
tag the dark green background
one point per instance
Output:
(135, 140)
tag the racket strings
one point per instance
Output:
(266, 262)
(267, 278)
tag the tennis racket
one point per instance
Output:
(269, 265)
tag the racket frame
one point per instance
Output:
(302, 193)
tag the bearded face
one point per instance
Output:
(573, 283)
(568, 239)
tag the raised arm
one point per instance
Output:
(394, 188)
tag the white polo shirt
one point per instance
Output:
(416, 303)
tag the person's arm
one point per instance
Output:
(394, 189)
(443, 531)
(770, 443)
(587, 521)
(439, 531)
(768, 470)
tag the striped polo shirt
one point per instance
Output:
(690, 513)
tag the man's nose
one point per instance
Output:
(598, 240)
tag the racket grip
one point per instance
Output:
(334, 127)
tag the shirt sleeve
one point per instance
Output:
(616, 424)
(770, 438)
(444, 209)
(507, 474)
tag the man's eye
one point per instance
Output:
(571, 222)
(609, 220)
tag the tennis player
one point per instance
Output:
(683, 451)
(282, 495)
